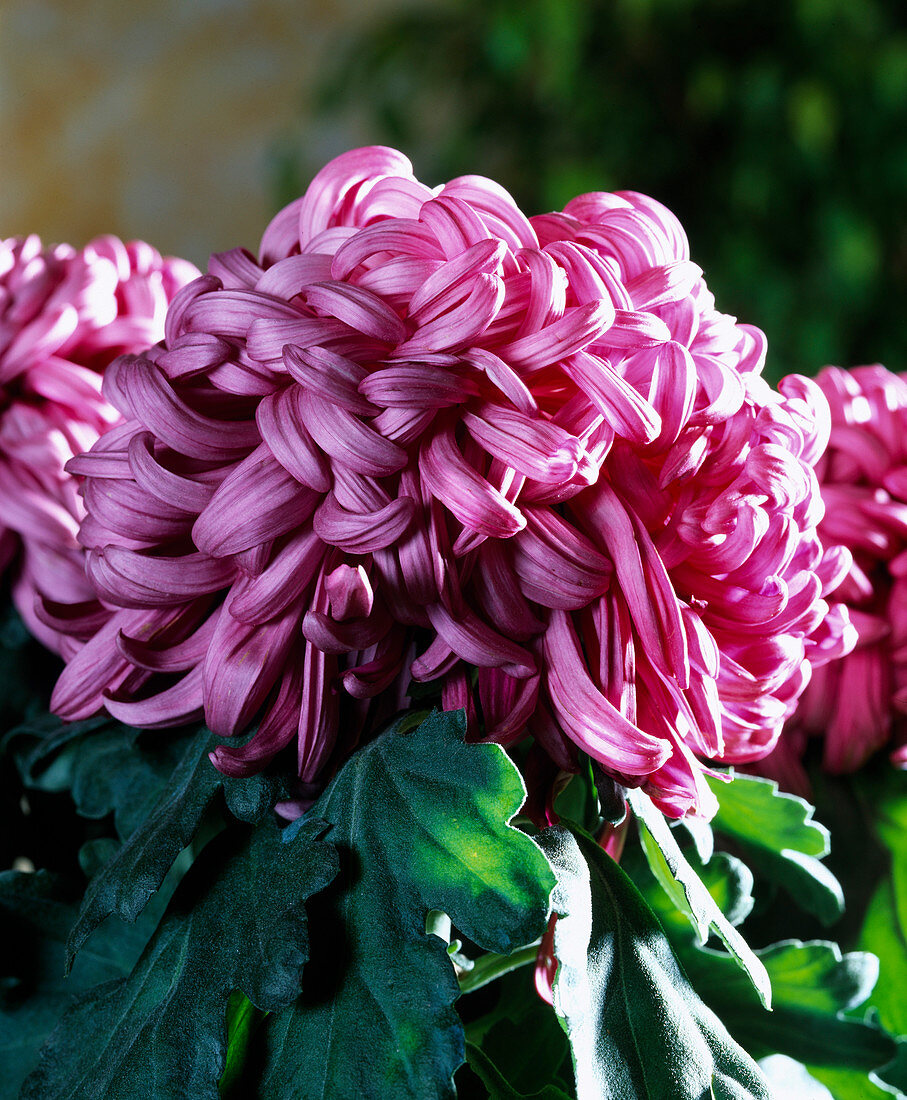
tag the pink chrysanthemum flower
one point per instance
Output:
(423, 435)
(64, 315)
(857, 704)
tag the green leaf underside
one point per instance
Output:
(778, 837)
(124, 885)
(421, 823)
(636, 1026)
(687, 891)
(497, 1085)
(237, 921)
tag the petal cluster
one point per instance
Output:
(64, 315)
(422, 437)
(857, 703)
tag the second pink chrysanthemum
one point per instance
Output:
(422, 436)
(65, 313)
(856, 705)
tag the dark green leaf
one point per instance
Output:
(497, 1085)
(777, 836)
(36, 912)
(523, 1036)
(421, 821)
(686, 889)
(237, 921)
(894, 1074)
(636, 1026)
(124, 885)
(251, 799)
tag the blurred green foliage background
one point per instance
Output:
(776, 131)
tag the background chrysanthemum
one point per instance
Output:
(65, 313)
(422, 436)
(856, 704)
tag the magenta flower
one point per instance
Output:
(64, 315)
(856, 704)
(423, 435)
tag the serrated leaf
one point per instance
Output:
(689, 893)
(421, 820)
(777, 836)
(108, 767)
(124, 885)
(636, 1026)
(814, 984)
(499, 1088)
(237, 921)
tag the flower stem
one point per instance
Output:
(488, 967)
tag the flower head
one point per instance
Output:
(424, 437)
(856, 703)
(64, 315)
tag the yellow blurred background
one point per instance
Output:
(158, 119)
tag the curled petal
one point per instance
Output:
(182, 493)
(241, 666)
(286, 578)
(157, 407)
(556, 565)
(257, 502)
(475, 503)
(360, 309)
(416, 386)
(626, 410)
(330, 376)
(478, 644)
(587, 717)
(535, 447)
(344, 437)
(130, 579)
(279, 420)
(174, 706)
(361, 533)
(276, 730)
(579, 327)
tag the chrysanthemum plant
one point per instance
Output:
(423, 584)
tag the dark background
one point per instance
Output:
(777, 132)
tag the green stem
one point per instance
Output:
(488, 967)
